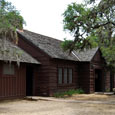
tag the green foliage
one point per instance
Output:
(10, 20)
(93, 40)
(109, 54)
(68, 93)
(66, 44)
(59, 95)
(107, 90)
(92, 24)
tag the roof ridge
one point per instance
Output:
(53, 49)
(43, 35)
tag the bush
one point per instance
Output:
(68, 93)
(79, 91)
(61, 95)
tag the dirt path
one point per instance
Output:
(93, 97)
(40, 107)
(82, 98)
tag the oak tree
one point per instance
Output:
(92, 24)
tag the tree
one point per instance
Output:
(92, 24)
(10, 20)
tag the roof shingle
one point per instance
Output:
(50, 46)
(12, 51)
(53, 48)
(86, 55)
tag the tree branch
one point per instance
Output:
(97, 26)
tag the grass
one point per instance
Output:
(68, 93)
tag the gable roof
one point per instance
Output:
(12, 50)
(49, 45)
(87, 54)
(52, 47)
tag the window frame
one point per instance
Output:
(64, 84)
(61, 76)
(68, 76)
(10, 73)
(64, 76)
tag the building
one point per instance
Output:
(60, 71)
(46, 69)
(12, 75)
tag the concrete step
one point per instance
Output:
(105, 93)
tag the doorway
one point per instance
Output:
(98, 80)
(29, 81)
(112, 80)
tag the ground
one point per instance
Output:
(93, 97)
(68, 106)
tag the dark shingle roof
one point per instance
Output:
(53, 48)
(87, 54)
(50, 46)
(12, 51)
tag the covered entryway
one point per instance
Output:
(29, 81)
(98, 80)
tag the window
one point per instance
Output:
(8, 69)
(70, 75)
(65, 76)
(60, 75)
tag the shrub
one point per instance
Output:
(59, 95)
(80, 91)
(68, 93)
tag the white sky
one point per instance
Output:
(44, 16)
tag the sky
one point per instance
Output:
(44, 16)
